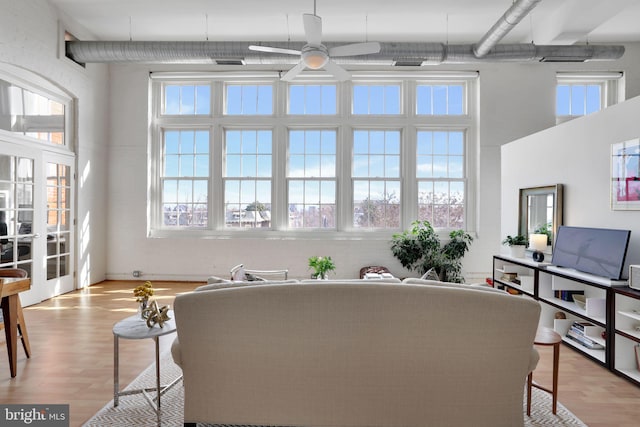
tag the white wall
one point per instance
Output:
(515, 100)
(576, 154)
(30, 37)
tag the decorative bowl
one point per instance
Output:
(580, 300)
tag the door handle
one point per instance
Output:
(36, 236)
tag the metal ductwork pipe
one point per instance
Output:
(416, 54)
(238, 53)
(510, 19)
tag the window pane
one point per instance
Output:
(248, 203)
(376, 99)
(360, 99)
(311, 201)
(424, 100)
(562, 100)
(172, 99)
(376, 201)
(578, 97)
(234, 100)
(376, 204)
(312, 99)
(248, 99)
(296, 99)
(329, 101)
(456, 100)
(203, 99)
(186, 99)
(441, 201)
(440, 99)
(392, 100)
(593, 98)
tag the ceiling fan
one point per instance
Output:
(315, 55)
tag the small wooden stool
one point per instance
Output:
(546, 337)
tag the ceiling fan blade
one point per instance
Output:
(274, 50)
(292, 73)
(355, 49)
(337, 71)
(312, 28)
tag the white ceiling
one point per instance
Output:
(443, 21)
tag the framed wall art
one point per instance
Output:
(625, 175)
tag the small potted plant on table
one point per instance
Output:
(321, 266)
(517, 245)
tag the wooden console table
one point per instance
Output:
(10, 287)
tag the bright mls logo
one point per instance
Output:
(34, 415)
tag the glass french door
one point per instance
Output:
(59, 218)
(36, 218)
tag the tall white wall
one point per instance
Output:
(576, 154)
(30, 38)
(515, 100)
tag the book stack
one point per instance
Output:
(567, 295)
(509, 277)
(577, 333)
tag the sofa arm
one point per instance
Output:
(176, 352)
(533, 360)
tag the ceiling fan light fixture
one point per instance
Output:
(315, 58)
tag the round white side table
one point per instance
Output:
(135, 328)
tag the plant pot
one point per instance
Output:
(517, 251)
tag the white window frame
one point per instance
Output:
(611, 92)
(40, 86)
(281, 122)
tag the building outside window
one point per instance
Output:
(242, 154)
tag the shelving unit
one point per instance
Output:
(627, 333)
(554, 287)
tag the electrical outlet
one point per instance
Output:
(136, 273)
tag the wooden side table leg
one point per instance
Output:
(556, 360)
(22, 327)
(529, 385)
(9, 313)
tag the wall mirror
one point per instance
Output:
(540, 211)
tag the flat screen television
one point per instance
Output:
(598, 251)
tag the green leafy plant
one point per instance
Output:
(517, 240)
(419, 249)
(321, 266)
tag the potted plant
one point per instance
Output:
(419, 249)
(143, 293)
(517, 245)
(321, 266)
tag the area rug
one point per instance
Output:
(135, 411)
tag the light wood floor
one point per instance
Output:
(72, 360)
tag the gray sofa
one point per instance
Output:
(354, 353)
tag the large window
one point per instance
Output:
(244, 154)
